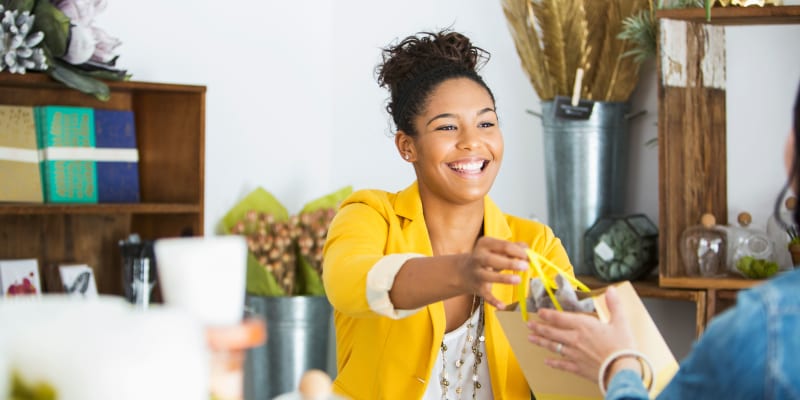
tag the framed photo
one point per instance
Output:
(20, 277)
(78, 280)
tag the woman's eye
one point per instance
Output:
(446, 128)
(486, 124)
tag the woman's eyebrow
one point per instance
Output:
(451, 115)
(444, 115)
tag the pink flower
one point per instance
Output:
(105, 47)
(81, 11)
(87, 42)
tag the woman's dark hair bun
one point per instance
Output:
(428, 50)
(411, 68)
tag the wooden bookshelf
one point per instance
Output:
(170, 133)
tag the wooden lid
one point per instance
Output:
(745, 218)
(252, 332)
(708, 220)
(790, 203)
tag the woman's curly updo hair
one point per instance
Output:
(414, 67)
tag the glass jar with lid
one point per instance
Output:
(784, 233)
(703, 248)
(752, 252)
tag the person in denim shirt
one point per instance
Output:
(751, 351)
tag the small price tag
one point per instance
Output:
(565, 109)
(604, 251)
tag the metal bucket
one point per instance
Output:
(586, 167)
(298, 333)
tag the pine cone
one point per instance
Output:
(18, 50)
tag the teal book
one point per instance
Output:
(66, 143)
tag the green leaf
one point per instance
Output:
(107, 75)
(329, 201)
(20, 5)
(259, 200)
(55, 26)
(259, 281)
(309, 283)
(85, 84)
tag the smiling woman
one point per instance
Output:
(415, 276)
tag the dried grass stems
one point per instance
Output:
(556, 37)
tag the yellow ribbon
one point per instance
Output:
(537, 263)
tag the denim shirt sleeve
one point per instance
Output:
(732, 347)
(626, 384)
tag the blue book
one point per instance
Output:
(117, 161)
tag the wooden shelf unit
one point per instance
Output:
(650, 288)
(170, 133)
(767, 15)
(692, 127)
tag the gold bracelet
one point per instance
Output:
(643, 360)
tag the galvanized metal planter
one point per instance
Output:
(298, 339)
(586, 167)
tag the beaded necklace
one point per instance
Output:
(474, 340)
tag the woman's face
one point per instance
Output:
(459, 146)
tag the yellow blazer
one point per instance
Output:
(383, 358)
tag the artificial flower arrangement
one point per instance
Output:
(284, 251)
(59, 37)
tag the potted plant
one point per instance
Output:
(284, 286)
(578, 67)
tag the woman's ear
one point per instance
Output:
(405, 145)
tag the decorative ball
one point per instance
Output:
(314, 385)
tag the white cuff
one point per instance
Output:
(380, 280)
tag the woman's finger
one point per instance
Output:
(494, 301)
(552, 345)
(564, 365)
(499, 262)
(550, 333)
(565, 319)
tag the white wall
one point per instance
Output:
(292, 103)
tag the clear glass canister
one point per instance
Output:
(751, 252)
(785, 234)
(704, 248)
(621, 247)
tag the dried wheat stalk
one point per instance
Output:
(556, 37)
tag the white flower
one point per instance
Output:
(81, 45)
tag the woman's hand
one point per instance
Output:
(484, 266)
(582, 341)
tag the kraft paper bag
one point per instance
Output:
(549, 383)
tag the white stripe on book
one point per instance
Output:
(19, 155)
(90, 154)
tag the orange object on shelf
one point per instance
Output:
(227, 345)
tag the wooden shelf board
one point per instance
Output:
(43, 80)
(767, 15)
(98, 209)
(648, 287)
(722, 283)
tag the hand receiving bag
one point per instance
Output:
(549, 383)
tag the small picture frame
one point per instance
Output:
(78, 280)
(20, 277)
